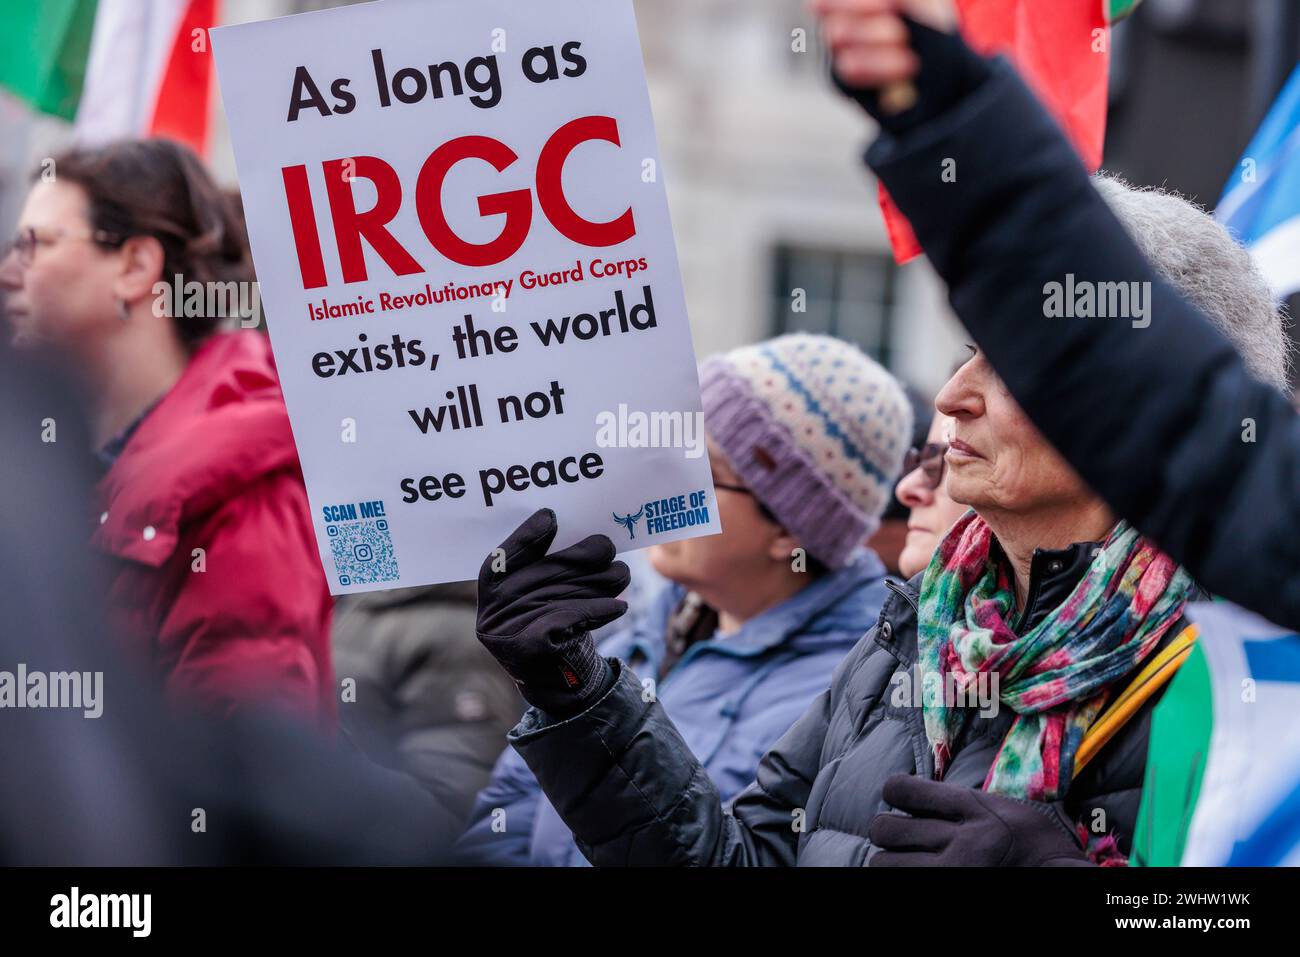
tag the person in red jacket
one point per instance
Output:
(217, 579)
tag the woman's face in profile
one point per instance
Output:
(997, 461)
(59, 284)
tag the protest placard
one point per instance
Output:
(467, 267)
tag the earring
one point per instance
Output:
(122, 312)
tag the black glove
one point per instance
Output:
(953, 826)
(949, 70)
(535, 612)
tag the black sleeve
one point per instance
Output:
(627, 785)
(1159, 416)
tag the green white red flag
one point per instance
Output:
(113, 67)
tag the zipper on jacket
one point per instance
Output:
(915, 722)
(900, 591)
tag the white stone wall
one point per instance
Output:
(758, 149)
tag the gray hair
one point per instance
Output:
(1199, 258)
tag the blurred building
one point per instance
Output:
(772, 207)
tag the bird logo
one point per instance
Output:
(629, 521)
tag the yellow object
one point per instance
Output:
(1153, 676)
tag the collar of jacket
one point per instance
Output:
(818, 616)
(221, 428)
(1053, 574)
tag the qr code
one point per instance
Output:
(363, 551)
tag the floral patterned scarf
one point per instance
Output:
(1055, 677)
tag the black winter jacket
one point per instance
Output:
(625, 783)
(1164, 421)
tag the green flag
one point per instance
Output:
(43, 52)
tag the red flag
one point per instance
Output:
(181, 111)
(1061, 48)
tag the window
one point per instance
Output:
(845, 294)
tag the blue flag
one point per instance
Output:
(1261, 203)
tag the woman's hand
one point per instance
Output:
(869, 42)
(535, 612)
(947, 825)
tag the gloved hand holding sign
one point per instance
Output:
(536, 612)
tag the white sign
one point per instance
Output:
(467, 266)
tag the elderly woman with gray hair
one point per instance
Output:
(1181, 434)
(1178, 238)
(1003, 697)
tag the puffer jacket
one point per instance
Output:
(731, 698)
(217, 584)
(625, 782)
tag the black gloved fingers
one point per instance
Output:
(577, 616)
(1017, 809)
(592, 555)
(923, 797)
(513, 609)
(901, 833)
(558, 622)
(609, 583)
(602, 611)
(606, 583)
(525, 545)
(594, 551)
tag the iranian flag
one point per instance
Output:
(115, 68)
(1061, 49)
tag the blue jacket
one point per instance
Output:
(731, 697)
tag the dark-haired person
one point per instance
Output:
(217, 581)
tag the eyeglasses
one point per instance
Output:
(767, 514)
(929, 459)
(25, 243)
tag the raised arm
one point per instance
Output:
(1160, 417)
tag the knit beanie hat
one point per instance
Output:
(816, 429)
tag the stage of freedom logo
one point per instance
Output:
(666, 514)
